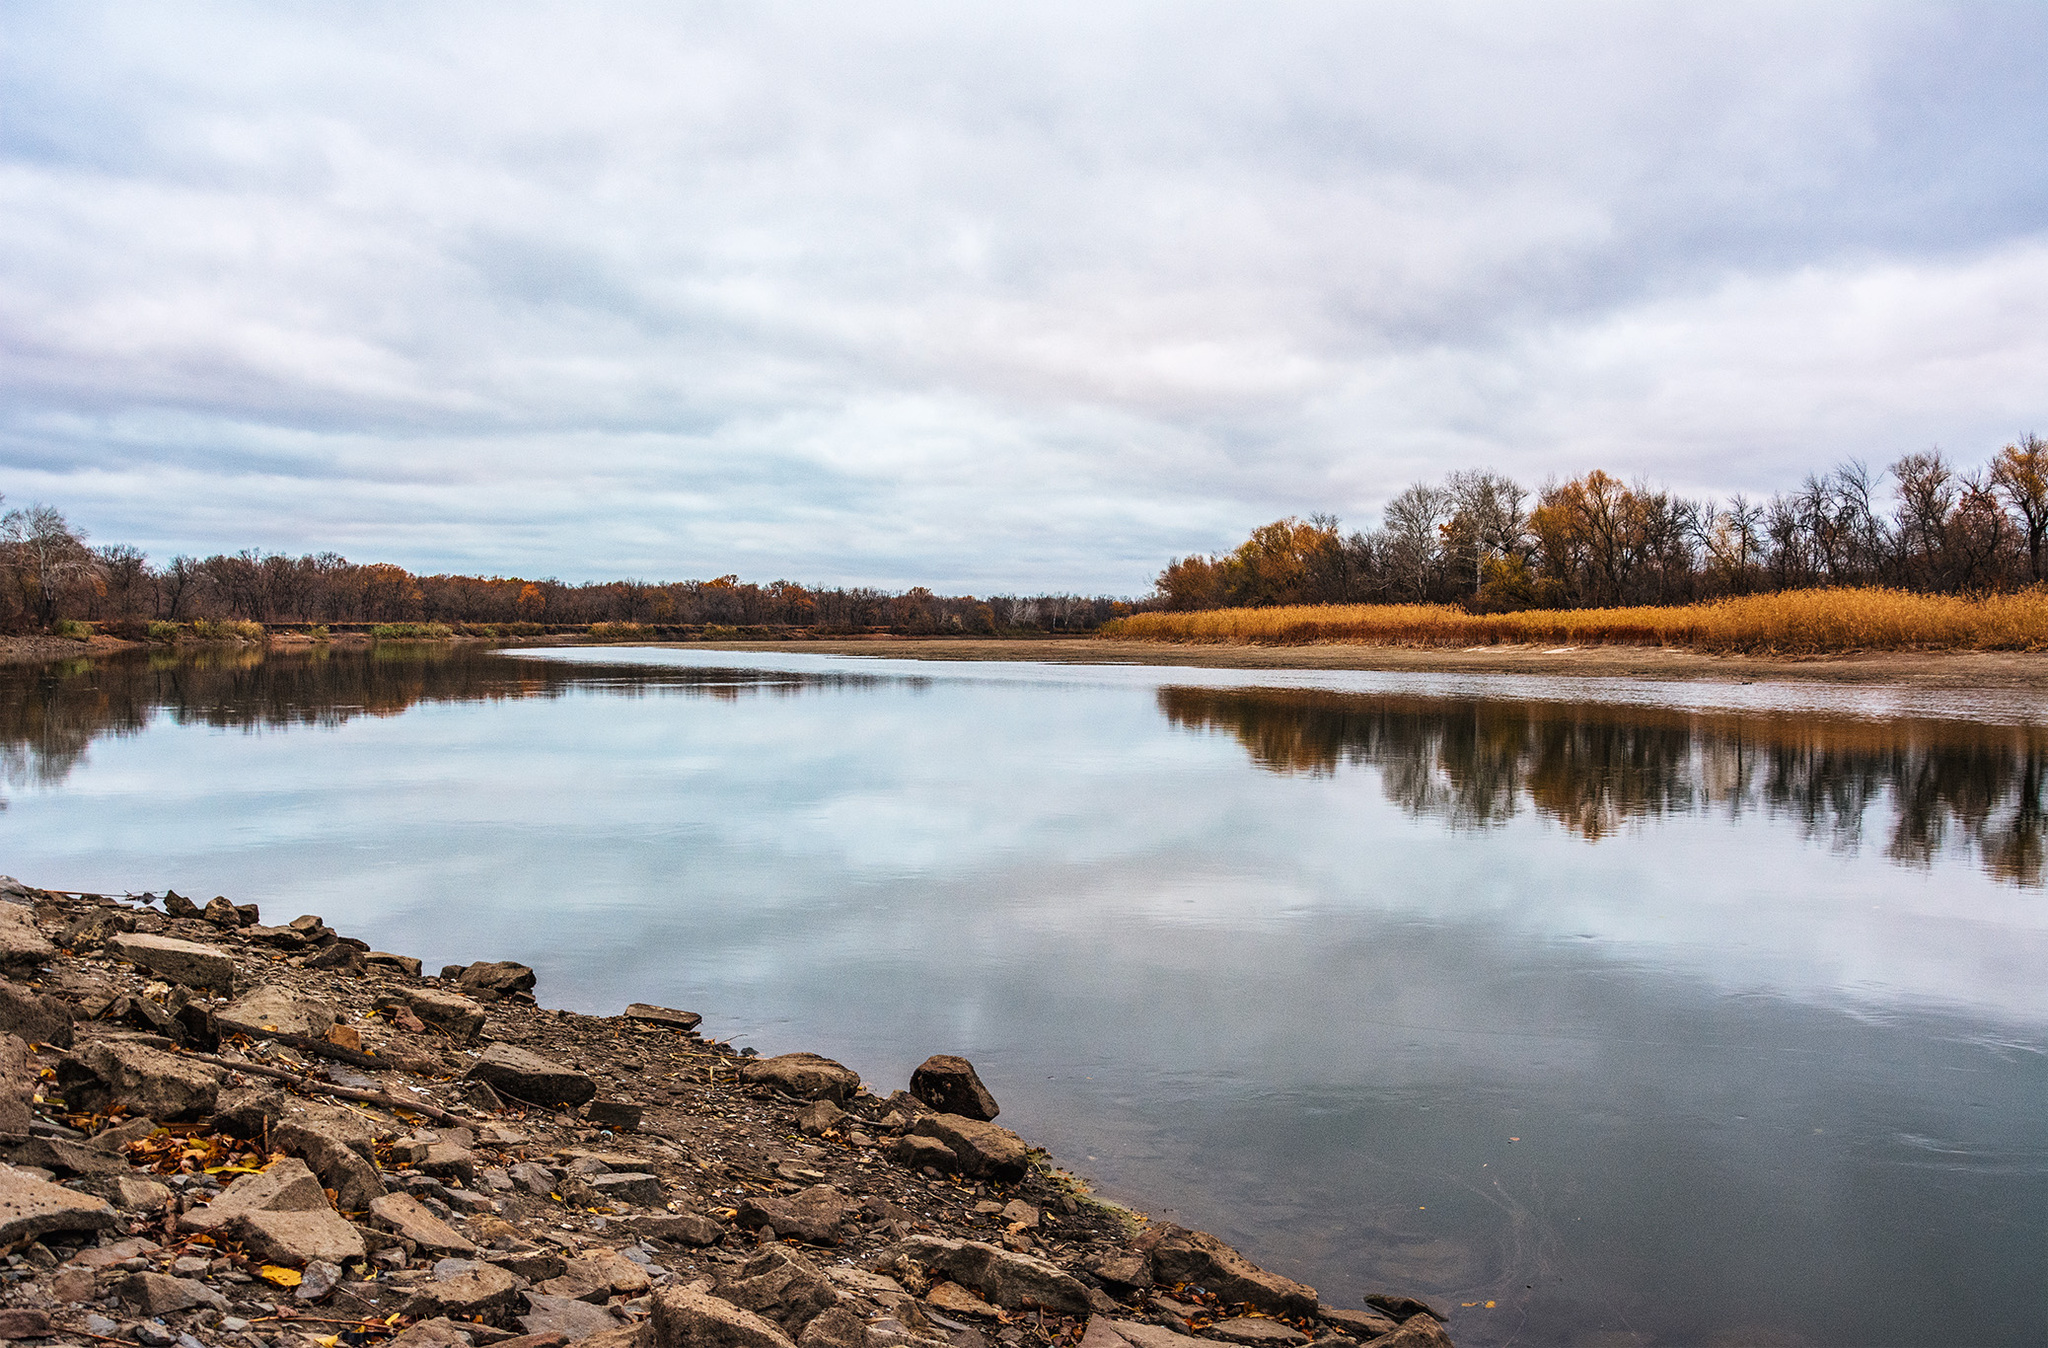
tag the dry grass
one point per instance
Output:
(1802, 622)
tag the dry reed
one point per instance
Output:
(1799, 622)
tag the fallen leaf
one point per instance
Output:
(283, 1277)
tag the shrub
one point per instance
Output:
(523, 629)
(71, 627)
(412, 632)
(163, 631)
(618, 632)
(318, 631)
(226, 629)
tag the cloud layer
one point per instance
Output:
(985, 300)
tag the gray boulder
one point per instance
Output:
(460, 1018)
(685, 1021)
(567, 1316)
(815, 1215)
(160, 1294)
(782, 1285)
(112, 1074)
(687, 1319)
(272, 1008)
(1181, 1255)
(495, 979)
(1012, 1281)
(409, 1219)
(38, 1019)
(31, 1208)
(184, 962)
(981, 1149)
(280, 1214)
(463, 1288)
(23, 949)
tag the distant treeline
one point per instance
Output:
(1477, 539)
(48, 574)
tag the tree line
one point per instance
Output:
(1480, 539)
(50, 574)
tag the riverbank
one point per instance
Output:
(228, 1132)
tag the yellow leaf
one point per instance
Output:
(283, 1277)
(329, 1341)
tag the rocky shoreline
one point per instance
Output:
(222, 1132)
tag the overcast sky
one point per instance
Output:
(987, 298)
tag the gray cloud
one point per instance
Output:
(991, 299)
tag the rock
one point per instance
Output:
(439, 1332)
(835, 1328)
(23, 949)
(17, 1088)
(804, 1075)
(687, 1319)
(20, 1322)
(272, 1008)
(917, 1152)
(1141, 1335)
(460, 1018)
(1417, 1331)
(686, 1021)
(407, 1218)
(1255, 1332)
(639, 1335)
(1181, 1255)
(281, 1215)
(982, 1149)
(221, 913)
(128, 1193)
(1012, 1281)
(1403, 1308)
(114, 1074)
(781, 1284)
(160, 1294)
(951, 1298)
(336, 1143)
(178, 906)
(1360, 1325)
(339, 958)
(405, 964)
(1017, 1212)
(30, 1208)
(1120, 1268)
(566, 1316)
(91, 930)
(471, 1289)
(950, 1086)
(187, 963)
(526, 1076)
(34, 1018)
(816, 1118)
(617, 1115)
(596, 1277)
(685, 1228)
(814, 1215)
(69, 1158)
(284, 938)
(496, 979)
(318, 1281)
(629, 1189)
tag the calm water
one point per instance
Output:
(1607, 1013)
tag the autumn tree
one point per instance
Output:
(2020, 472)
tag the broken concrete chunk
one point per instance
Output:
(460, 1018)
(685, 1021)
(117, 1074)
(160, 1294)
(35, 1018)
(1009, 1280)
(470, 1289)
(982, 1149)
(495, 979)
(782, 1285)
(567, 1316)
(814, 1215)
(409, 1219)
(280, 1214)
(23, 949)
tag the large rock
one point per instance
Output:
(1136, 1333)
(687, 1319)
(596, 1277)
(409, 1219)
(466, 1290)
(1417, 1331)
(980, 1149)
(566, 1316)
(1360, 1325)
(272, 1008)
(31, 1208)
(950, 1085)
(17, 1088)
(280, 1214)
(184, 962)
(681, 1228)
(782, 1285)
(161, 1294)
(336, 1143)
(38, 1019)
(1012, 1281)
(23, 949)
(1181, 1255)
(495, 979)
(115, 1074)
(529, 1077)
(1256, 1331)
(664, 1016)
(92, 929)
(804, 1075)
(815, 1215)
(460, 1018)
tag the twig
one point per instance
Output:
(329, 1088)
(322, 1047)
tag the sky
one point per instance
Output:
(989, 298)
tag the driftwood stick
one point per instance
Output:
(307, 1083)
(321, 1047)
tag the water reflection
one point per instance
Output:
(51, 714)
(1595, 769)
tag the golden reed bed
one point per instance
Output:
(1801, 622)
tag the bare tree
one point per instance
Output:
(2021, 472)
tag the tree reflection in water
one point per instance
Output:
(1595, 769)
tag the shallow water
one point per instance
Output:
(1645, 1013)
